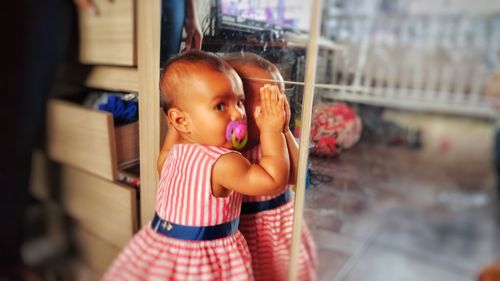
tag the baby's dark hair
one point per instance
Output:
(253, 59)
(182, 65)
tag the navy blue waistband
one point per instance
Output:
(185, 232)
(259, 206)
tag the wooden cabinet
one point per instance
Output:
(91, 151)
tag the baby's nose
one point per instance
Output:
(238, 114)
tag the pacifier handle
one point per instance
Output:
(236, 132)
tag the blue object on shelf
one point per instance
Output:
(123, 111)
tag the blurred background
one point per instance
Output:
(404, 145)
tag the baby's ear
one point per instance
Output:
(178, 119)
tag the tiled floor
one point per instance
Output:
(391, 213)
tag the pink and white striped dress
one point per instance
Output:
(269, 234)
(184, 197)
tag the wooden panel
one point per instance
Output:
(109, 36)
(148, 29)
(116, 78)
(105, 208)
(82, 137)
(97, 253)
(78, 270)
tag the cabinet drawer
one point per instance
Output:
(87, 139)
(105, 208)
(108, 37)
(95, 252)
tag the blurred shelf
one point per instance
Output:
(479, 109)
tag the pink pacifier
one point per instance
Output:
(236, 132)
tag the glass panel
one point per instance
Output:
(402, 185)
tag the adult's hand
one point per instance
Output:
(194, 36)
(87, 5)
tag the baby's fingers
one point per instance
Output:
(275, 93)
(281, 103)
(271, 100)
(286, 104)
(257, 113)
(265, 101)
(277, 106)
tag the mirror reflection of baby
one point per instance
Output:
(194, 234)
(266, 221)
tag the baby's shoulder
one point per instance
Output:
(230, 161)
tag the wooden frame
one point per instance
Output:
(305, 130)
(148, 50)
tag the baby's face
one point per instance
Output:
(212, 100)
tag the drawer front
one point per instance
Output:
(81, 137)
(94, 251)
(108, 37)
(105, 208)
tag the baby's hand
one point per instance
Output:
(270, 116)
(288, 115)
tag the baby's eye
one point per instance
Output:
(220, 106)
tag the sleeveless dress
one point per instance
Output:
(269, 234)
(184, 200)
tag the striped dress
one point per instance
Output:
(269, 233)
(184, 197)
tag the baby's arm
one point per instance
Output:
(292, 146)
(170, 139)
(232, 171)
